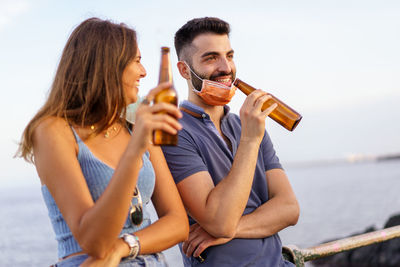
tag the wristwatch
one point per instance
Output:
(133, 242)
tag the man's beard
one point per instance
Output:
(198, 83)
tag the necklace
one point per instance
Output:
(108, 131)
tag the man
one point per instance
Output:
(231, 182)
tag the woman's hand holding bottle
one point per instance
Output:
(149, 118)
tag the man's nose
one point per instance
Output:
(224, 65)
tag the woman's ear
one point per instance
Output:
(184, 70)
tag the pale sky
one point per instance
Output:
(335, 62)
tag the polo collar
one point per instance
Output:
(196, 111)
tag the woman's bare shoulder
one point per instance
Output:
(53, 128)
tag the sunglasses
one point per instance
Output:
(136, 211)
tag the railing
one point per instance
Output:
(299, 256)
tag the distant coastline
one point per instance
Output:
(350, 159)
(389, 157)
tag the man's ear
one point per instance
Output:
(183, 70)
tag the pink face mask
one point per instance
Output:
(214, 93)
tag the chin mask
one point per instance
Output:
(214, 93)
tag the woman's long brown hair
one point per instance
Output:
(87, 88)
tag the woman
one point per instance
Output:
(96, 174)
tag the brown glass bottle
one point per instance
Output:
(168, 95)
(282, 114)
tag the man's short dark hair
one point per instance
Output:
(186, 34)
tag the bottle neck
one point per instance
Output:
(165, 68)
(244, 87)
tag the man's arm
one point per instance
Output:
(219, 208)
(280, 211)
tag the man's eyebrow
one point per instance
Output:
(213, 53)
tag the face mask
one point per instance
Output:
(214, 93)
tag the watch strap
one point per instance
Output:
(138, 242)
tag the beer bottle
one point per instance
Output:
(168, 95)
(282, 114)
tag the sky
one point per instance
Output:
(335, 62)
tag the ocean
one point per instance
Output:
(336, 200)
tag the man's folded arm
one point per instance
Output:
(280, 211)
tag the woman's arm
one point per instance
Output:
(172, 226)
(96, 226)
(170, 229)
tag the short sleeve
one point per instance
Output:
(271, 160)
(184, 159)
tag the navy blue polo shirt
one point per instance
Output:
(201, 148)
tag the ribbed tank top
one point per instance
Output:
(97, 175)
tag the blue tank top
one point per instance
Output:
(97, 175)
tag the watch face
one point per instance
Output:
(130, 239)
(133, 244)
